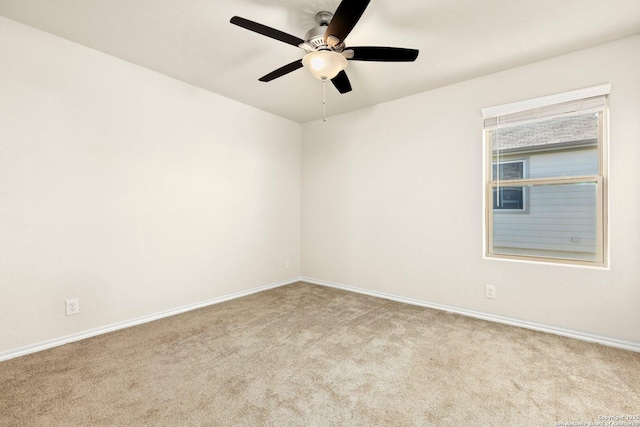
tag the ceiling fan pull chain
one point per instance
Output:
(324, 99)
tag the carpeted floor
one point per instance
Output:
(305, 355)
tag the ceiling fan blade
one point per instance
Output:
(383, 54)
(266, 31)
(344, 19)
(282, 71)
(341, 82)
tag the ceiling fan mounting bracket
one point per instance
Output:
(323, 18)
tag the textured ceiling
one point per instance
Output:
(193, 41)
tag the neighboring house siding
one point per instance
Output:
(564, 163)
(556, 218)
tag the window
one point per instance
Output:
(509, 198)
(546, 178)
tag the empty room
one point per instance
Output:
(319, 213)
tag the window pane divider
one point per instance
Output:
(546, 181)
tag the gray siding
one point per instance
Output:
(556, 164)
(557, 218)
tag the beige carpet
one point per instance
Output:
(312, 356)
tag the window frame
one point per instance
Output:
(600, 180)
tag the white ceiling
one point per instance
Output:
(193, 41)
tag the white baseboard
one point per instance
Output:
(22, 351)
(612, 342)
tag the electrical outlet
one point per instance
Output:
(490, 291)
(287, 265)
(72, 306)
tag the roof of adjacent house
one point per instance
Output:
(548, 134)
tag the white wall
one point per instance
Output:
(392, 200)
(138, 193)
(130, 190)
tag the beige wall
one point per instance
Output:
(392, 200)
(130, 190)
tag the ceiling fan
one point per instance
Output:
(327, 54)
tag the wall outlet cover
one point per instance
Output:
(72, 306)
(490, 291)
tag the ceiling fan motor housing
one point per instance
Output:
(315, 37)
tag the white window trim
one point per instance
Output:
(543, 101)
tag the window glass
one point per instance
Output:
(509, 170)
(561, 223)
(563, 147)
(508, 198)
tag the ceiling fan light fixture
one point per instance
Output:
(324, 64)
